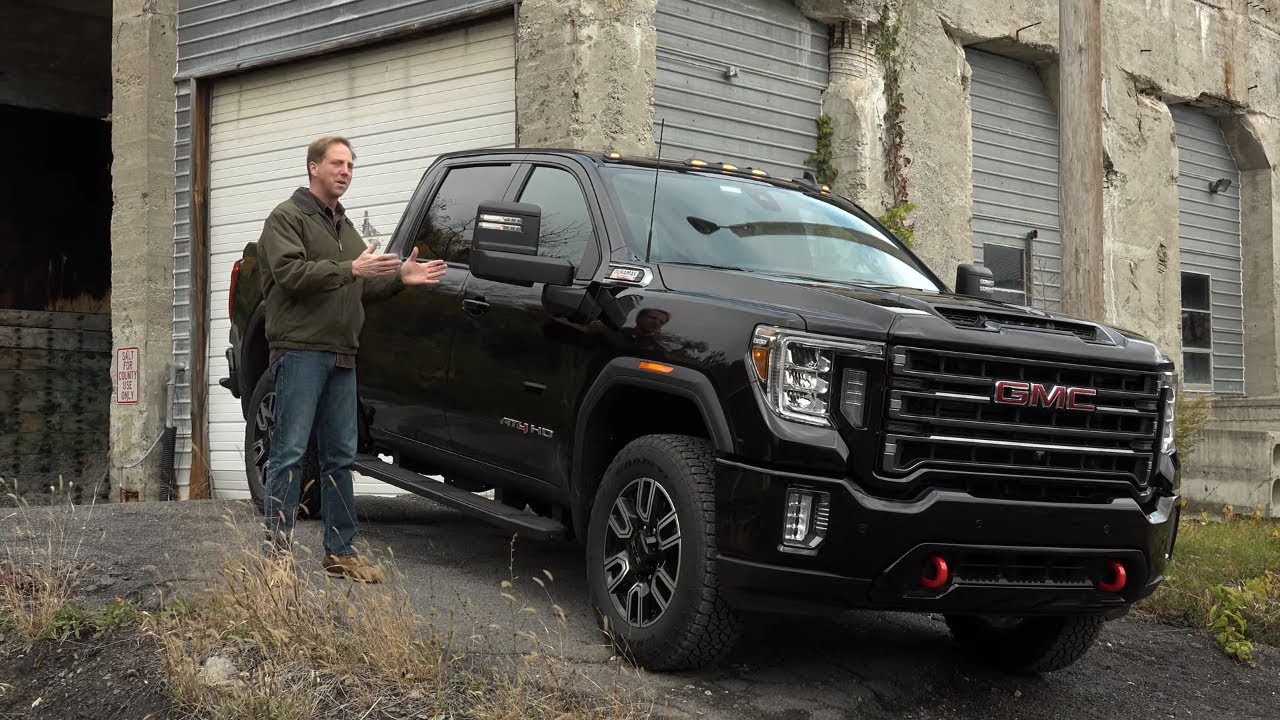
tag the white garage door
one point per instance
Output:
(1015, 181)
(400, 105)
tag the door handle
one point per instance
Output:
(475, 306)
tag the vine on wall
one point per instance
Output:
(820, 160)
(896, 161)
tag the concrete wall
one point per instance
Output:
(57, 56)
(143, 61)
(1155, 53)
(585, 72)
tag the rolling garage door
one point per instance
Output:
(1209, 241)
(1015, 181)
(401, 105)
(739, 82)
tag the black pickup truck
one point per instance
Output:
(743, 394)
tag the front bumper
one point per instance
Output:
(1003, 556)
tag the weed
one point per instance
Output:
(37, 583)
(1192, 416)
(1224, 577)
(896, 220)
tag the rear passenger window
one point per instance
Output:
(445, 232)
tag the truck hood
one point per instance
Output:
(906, 316)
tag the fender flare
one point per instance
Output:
(682, 382)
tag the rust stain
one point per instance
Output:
(1226, 78)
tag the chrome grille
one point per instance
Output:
(942, 419)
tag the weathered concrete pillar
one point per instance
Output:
(855, 98)
(142, 131)
(585, 73)
(1141, 281)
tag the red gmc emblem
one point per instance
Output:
(1029, 394)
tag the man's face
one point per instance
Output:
(333, 172)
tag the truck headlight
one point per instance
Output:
(1169, 415)
(796, 369)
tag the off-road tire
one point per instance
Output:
(309, 495)
(1032, 645)
(698, 628)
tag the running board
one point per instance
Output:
(527, 524)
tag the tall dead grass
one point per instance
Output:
(274, 640)
(42, 565)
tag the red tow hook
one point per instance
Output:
(940, 573)
(1118, 575)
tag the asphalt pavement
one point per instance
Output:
(861, 665)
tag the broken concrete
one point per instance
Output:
(142, 231)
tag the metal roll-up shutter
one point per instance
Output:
(739, 82)
(1015, 180)
(400, 105)
(1211, 252)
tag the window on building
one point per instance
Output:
(1197, 329)
(446, 231)
(1008, 267)
(565, 226)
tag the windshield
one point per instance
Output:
(745, 224)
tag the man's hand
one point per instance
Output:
(369, 265)
(413, 272)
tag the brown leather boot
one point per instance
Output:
(355, 567)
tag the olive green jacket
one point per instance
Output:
(313, 300)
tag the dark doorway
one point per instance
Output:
(55, 211)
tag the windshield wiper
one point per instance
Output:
(835, 281)
(705, 265)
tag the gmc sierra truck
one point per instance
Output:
(742, 393)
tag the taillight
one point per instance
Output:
(231, 293)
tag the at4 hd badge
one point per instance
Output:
(525, 428)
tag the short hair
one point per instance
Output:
(318, 147)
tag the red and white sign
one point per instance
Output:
(127, 375)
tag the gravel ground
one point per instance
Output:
(863, 665)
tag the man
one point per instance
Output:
(317, 275)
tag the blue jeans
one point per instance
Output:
(311, 391)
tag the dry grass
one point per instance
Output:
(37, 583)
(301, 644)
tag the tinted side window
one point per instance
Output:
(566, 220)
(446, 231)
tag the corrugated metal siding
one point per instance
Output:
(401, 105)
(764, 117)
(182, 284)
(219, 35)
(1015, 169)
(1209, 236)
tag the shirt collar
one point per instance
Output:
(310, 204)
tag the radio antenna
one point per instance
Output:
(652, 210)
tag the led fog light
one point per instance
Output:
(805, 522)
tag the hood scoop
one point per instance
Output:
(994, 320)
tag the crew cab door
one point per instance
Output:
(408, 340)
(514, 379)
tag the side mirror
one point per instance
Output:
(975, 281)
(504, 247)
